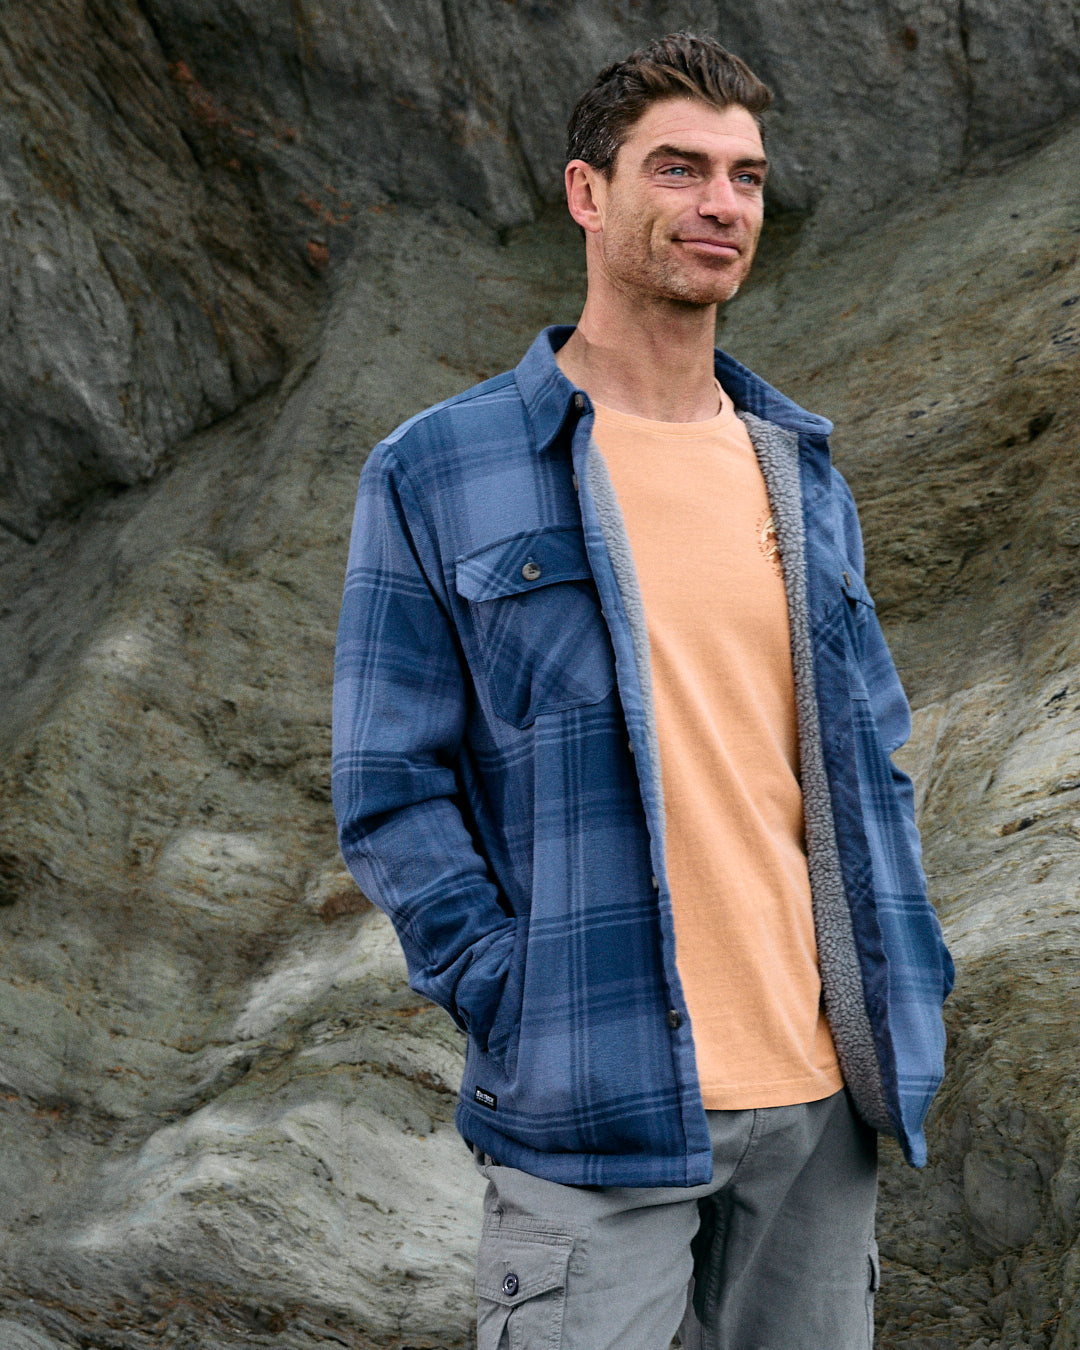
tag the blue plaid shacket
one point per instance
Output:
(497, 793)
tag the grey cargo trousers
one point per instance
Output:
(777, 1252)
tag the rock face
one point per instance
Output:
(475, 95)
(169, 196)
(143, 295)
(224, 1118)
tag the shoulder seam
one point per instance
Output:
(496, 383)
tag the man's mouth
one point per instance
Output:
(716, 248)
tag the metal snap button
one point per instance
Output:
(656, 883)
(579, 402)
(674, 1019)
(532, 571)
(847, 578)
(510, 1285)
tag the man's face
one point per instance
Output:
(682, 211)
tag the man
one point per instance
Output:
(613, 718)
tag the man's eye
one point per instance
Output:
(676, 169)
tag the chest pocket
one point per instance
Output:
(540, 639)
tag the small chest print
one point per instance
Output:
(485, 1098)
(768, 543)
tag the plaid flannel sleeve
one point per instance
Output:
(892, 831)
(888, 703)
(399, 720)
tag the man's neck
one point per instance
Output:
(655, 362)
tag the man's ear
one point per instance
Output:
(586, 195)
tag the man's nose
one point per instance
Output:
(720, 200)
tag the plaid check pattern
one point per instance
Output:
(494, 794)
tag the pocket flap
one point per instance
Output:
(519, 1265)
(523, 562)
(854, 587)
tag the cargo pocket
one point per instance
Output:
(539, 643)
(873, 1281)
(521, 1289)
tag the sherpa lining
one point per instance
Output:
(613, 527)
(841, 979)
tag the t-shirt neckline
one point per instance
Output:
(681, 430)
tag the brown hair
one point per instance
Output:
(669, 67)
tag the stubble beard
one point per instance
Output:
(636, 265)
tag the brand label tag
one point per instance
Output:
(486, 1098)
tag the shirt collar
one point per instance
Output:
(548, 394)
(544, 389)
(752, 394)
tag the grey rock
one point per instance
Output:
(475, 96)
(170, 198)
(1002, 1194)
(15, 1336)
(142, 293)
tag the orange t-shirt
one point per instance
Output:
(697, 515)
